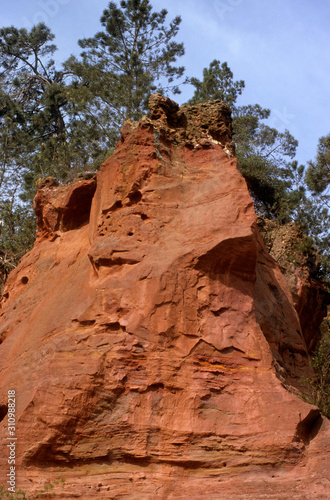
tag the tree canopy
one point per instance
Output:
(133, 57)
(217, 83)
(318, 172)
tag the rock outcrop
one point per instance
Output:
(152, 341)
(310, 295)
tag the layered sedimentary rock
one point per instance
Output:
(152, 342)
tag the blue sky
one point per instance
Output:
(280, 48)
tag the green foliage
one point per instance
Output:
(264, 158)
(17, 221)
(46, 491)
(316, 219)
(217, 83)
(48, 130)
(20, 85)
(318, 173)
(7, 495)
(261, 156)
(124, 64)
(32, 87)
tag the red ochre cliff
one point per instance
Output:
(152, 341)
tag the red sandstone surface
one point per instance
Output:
(152, 342)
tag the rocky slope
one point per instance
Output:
(152, 341)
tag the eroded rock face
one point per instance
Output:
(62, 208)
(155, 349)
(309, 294)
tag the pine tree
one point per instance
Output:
(17, 230)
(265, 159)
(35, 88)
(124, 64)
(217, 83)
(54, 129)
(33, 131)
(318, 173)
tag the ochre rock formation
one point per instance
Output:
(152, 341)
(310, 296)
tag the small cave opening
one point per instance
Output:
(308, 428)
(115, 326)
(77, 211)
(135, 197)
(156, 386)
(25, 280)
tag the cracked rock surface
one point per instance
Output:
(152, 342)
